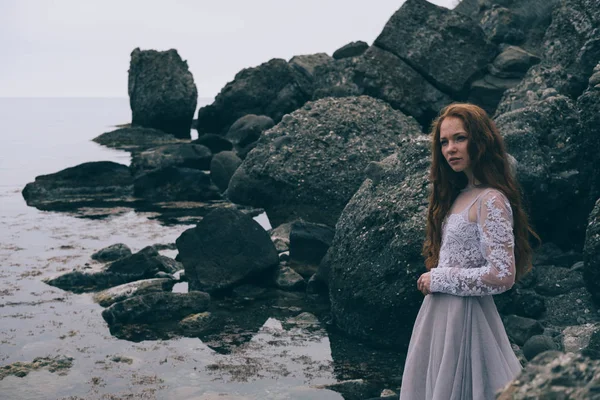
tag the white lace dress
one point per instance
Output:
(459, 349)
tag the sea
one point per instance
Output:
(41, 323)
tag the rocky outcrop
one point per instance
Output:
(162, 93)
(591, 253)
(176, 184)
(272, 89)
(375, 257)
(122, 292)
(224, 249)
(112, 253)
(156, 307)
(443, 45)
(135, 139)
(311, 163)
(554, 375)
(183, 155)
(588, 105)
(101, 182)
(352, 49)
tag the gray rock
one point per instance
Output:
(135, 139)
(543, 139)
(306, 64)
(91, 183)
(577, 338)
(226, 247)
(309, 241)
(554, 375)
(443, 45)
(156, 307)
(119, 293)
(354, 389)
(311, 163)
(281, 236)
(162, 93)
(184, 155)
(215, 143)
(572, 308)
(553, 281)
(520, 329)
(304, 320)
(513, 62)
(375, 258)
(351, 49)
(538, 344)
(487, 91)
(501, 25)
(112, 253)
(247, 129)
(222, 168)
(176, 184)
(591, 253)
(288, 279)
(273, 89)
(588, 105)
(145, 262)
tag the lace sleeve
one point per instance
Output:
(497, 275)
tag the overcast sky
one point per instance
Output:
(81, 48)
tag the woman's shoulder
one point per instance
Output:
(493, 198)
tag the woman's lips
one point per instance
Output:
(454, 160)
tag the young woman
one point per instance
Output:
(476, 246)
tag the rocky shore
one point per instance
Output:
(334, 149)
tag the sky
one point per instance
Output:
(75, 48)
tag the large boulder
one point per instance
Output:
(176, 184)
(224, 249)
(119, 293)
(555, 375)
(544, 139)
(85, 184)
(222, 168)
(311, 163)
(185, 155)
(570, 49)
(112, 253)
(135, 139)
(591, 253)
(273, 88)
(162, 93)
(375, 258)
(247, 129)
(443, 45)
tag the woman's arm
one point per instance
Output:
(497, 275)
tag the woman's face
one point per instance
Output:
(454, 142)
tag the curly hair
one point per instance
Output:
(490, 165)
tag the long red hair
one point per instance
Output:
(490, 166)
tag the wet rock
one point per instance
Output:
(247, 129)
(112, 253)
(443, 45)
(222, 168)
(355, 389)
(89, 281)
(250, 292)
(316, 285)
(304, 320)
(128, 290)
(311, 163)
(281, 236)
(58, 364)
(288, 279)
(352, 49)
(156, 307)
(122, 359)
(553, 281)
(85, 184)
(225, 248)
(309, 241)
(144, 262)
(176, 184)
(375, 257)
(543, 138)
(538, 344)
(162, 93)
(284, 256)
(577, 338)
(271, 89)
(591, 254)
(174, 155)
(513, 62)
(215, 143)
(196, 324)
(554, 375)
(520, 329)
(135, 139)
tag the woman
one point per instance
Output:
(477, 245)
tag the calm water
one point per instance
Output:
(41, 136)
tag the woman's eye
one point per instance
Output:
(461, 138)
(443, 143)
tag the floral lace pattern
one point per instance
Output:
(477, 258)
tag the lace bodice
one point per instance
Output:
(476, 256)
